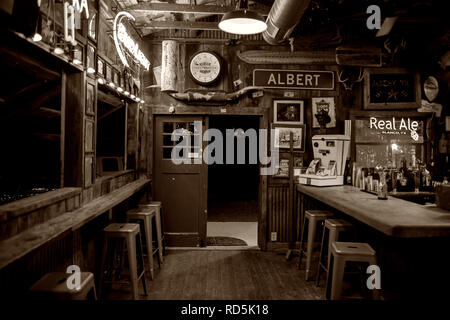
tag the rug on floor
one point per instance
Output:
(224, 241)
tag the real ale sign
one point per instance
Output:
(294, 79)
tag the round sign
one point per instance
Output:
(205, 67)
(431, 88)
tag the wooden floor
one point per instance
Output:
(217, 275)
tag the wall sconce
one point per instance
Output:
(77, 55)
(90, 59)
(38, 31)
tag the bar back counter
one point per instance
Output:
(411, 240)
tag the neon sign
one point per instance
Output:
(69, 18)
(390, 126)
(121, 36)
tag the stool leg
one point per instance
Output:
(94, 292)
(300, 254)
(148, 237)
(102, 265)
(141, 258)
(312, 226)
(337, 278)
(332, 237)
(159, 235)
(320, 258)
(131, 246)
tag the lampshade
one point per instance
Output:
(242, 21)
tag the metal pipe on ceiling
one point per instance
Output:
(282, 19)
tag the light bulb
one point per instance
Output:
(119, 89)
(101, 80)
(37, 37)
(58, 50)
(112, 85)
(126, 93)
(90, 70)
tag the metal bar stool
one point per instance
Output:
(132, 236)
(159, 228)
(335, 228)
(341, 253)
(145, 215)
(54, 285)
(313, 217)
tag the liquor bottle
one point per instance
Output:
(382, 187)
(348, 173)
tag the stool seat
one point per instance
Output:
(318, 213)
(122, 228)
(353, 248)
(337, 224)
(141, 211)
(56, 283)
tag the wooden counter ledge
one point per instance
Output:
(394, 217)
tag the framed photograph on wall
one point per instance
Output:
(282, 136)
(391, 88)
(324, 106)
(288, 111)
(90, 99)
(282, 169)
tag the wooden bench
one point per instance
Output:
(18, 246)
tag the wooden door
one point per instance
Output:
(182, 188)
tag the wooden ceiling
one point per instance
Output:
(196, 17)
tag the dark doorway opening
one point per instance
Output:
(233, 189)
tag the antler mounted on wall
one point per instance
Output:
(350, 78)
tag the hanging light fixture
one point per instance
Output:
(242, 21)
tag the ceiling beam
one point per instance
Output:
(187, 8)
(189, 25)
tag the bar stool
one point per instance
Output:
(145, 215)
(129, 232)
(335, 228)
(313, 217)
(54, 285)
(341, 253)
(159, 228)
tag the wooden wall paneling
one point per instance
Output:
(73, 126)
(63, 127)
(132, 138)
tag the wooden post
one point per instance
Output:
(169, 65)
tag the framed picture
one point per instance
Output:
(282, 169)
(288, 111)
(89, 136)
(391, 88)
(324, 106)
(90, 99)
(298, 162)
(282, 136)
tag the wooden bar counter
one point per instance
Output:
(393, 217)
(411, 240)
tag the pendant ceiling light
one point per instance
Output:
(242, 21)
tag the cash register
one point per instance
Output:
(330, 155)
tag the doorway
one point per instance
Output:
(233, 189)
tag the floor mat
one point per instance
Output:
(225, 241)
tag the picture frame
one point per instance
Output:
(288, 111)
(90, 99)
(89, 136)
(282, 134)
(298, 162)
(282, 169)
(391, 89)
(324, 103)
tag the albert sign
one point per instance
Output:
(124, 41)
(294, 79)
